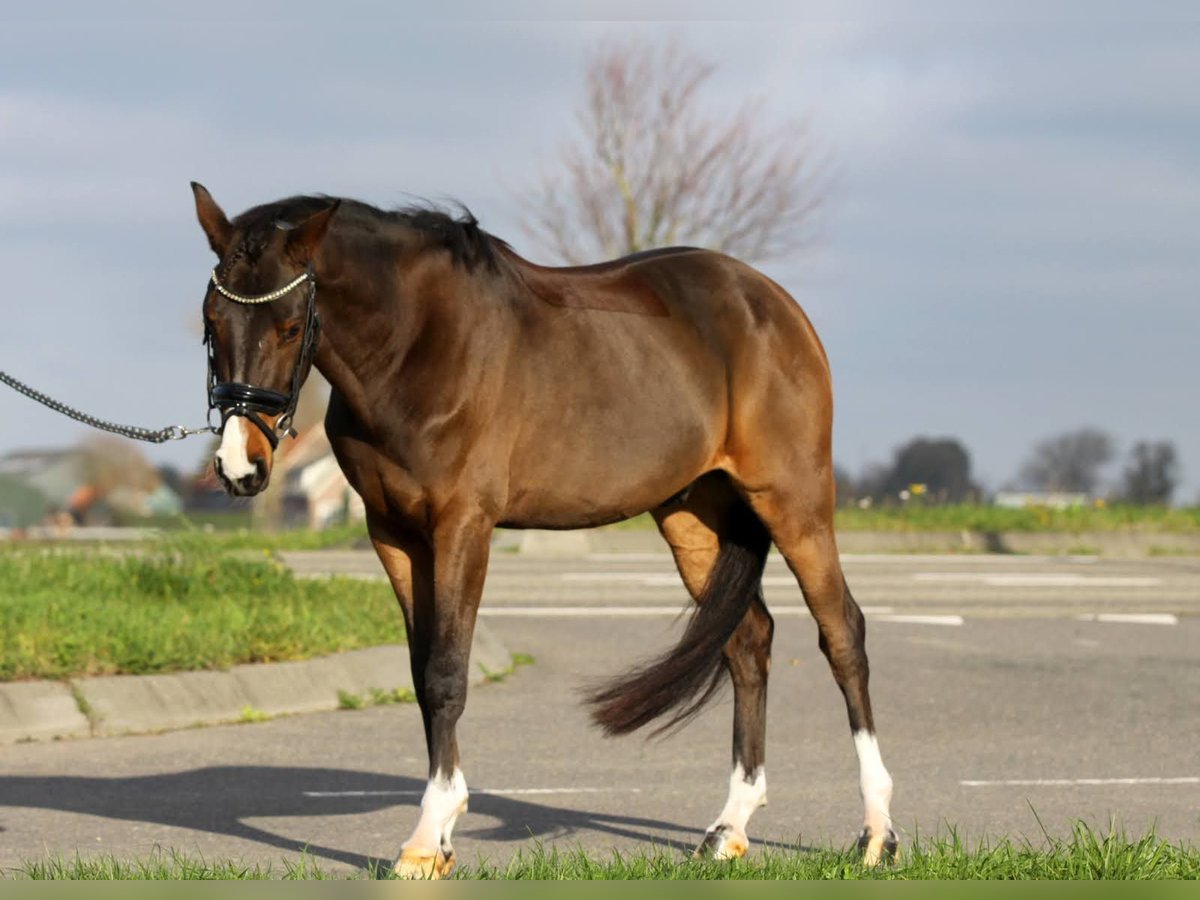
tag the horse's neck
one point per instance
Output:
(372, 325)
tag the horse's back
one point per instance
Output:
(724, 299)
(640, 402)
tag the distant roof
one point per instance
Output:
(23, 461)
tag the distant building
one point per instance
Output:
(1048, 499)
(56, 474)
(36, 485)
(21, 504)
(318, 494)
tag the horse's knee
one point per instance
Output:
(445, 687)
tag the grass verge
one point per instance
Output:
(972, 517)
(178, 605)
(917, 516)
(1088, 854)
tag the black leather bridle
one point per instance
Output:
(236, 398)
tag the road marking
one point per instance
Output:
(657, 579)
(497, 792)
(653, 579)
(1130, 618)
(1023, 579)
(920, 620)
(664, 556)
(1085, 782)
(883, 558)
(963, 558)
(575, 612)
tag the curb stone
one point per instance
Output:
(1113, 544)
(132, 704)
(39, 710)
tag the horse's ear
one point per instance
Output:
(212, 220)
(304, 239)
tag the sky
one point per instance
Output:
(1010, 246)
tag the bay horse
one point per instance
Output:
(473, 389)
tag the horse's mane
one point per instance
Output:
(458, 231)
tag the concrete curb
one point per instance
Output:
(132, 704)
(1114, 544)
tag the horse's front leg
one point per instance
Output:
(442, 623)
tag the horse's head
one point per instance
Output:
(261, 327)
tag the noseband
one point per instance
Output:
(236, 398)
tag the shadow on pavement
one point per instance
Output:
(217, 799)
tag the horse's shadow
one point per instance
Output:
(219, 799)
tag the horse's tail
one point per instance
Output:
(683, 680)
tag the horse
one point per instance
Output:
(473, 389)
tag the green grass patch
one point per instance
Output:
(251, 715)
(917, 516)
(174, 605)
(1088, 854)
(244, 537)
(375, 697)
(971, 517)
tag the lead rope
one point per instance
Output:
(170, 433)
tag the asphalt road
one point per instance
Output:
(1003, 687)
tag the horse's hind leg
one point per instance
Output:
(694, 530)
(801, 524)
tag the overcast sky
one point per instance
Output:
(1011, 246)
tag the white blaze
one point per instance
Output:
(874, 782)
(444, 800)
(231, 454)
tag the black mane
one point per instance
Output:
(459, 233)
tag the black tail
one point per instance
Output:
(685, 679)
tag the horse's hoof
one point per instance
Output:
(876, 848)
(416, 866)
(722, 842)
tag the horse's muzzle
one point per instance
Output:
(246, 485)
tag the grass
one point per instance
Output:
(1088, 854)
(175, 605)
(917, 516)
(971, 517)
(375, 697)
(337, 537)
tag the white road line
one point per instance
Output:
(963, 559)
(576, 612)
(657, 579)
(1131, 618)
(650, 579)
(920, 620)
(1085, 782)
(1023, 579)
(665, 556)
(496, 792)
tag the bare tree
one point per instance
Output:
(653, 167)
(1152, 473)
(1069, 462)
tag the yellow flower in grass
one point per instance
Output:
(917, 489)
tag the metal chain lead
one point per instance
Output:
(170, 433)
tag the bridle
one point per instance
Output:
(236, 398)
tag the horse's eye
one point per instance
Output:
(292, 332)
